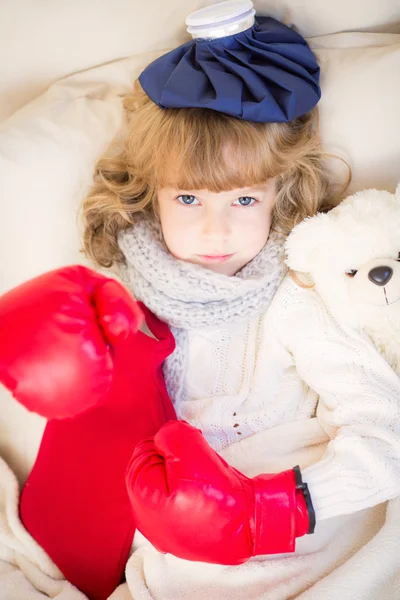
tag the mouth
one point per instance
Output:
(215, 258)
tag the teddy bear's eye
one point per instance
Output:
(398, 257)
(351, 273)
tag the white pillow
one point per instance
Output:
(40, 42)
(360, 106)
(321, 17)
(47, 153)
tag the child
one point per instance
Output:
(192, 213)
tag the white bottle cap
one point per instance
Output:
(220, 20)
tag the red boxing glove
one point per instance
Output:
(189, 502)
(56, 332)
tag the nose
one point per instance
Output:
(216, 227)
(380, 275)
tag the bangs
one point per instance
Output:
(203, 149)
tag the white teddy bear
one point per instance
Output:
(352, 257)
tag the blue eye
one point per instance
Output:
(246, 201)
(187, 199)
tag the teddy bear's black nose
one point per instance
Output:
(380, 275)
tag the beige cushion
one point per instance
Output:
(321, 17)
(40, 42)
(47, 154)
(360, 108)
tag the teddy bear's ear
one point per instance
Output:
(305, 240)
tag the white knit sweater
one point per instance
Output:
(292, 387)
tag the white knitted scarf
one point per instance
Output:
(187, 296)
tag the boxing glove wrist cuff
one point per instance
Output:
(280, 502)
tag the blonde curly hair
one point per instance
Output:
(193, 148)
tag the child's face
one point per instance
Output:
(219, 231)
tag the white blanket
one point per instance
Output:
(352, 557)
(27, 573)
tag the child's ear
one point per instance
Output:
(305, 240)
